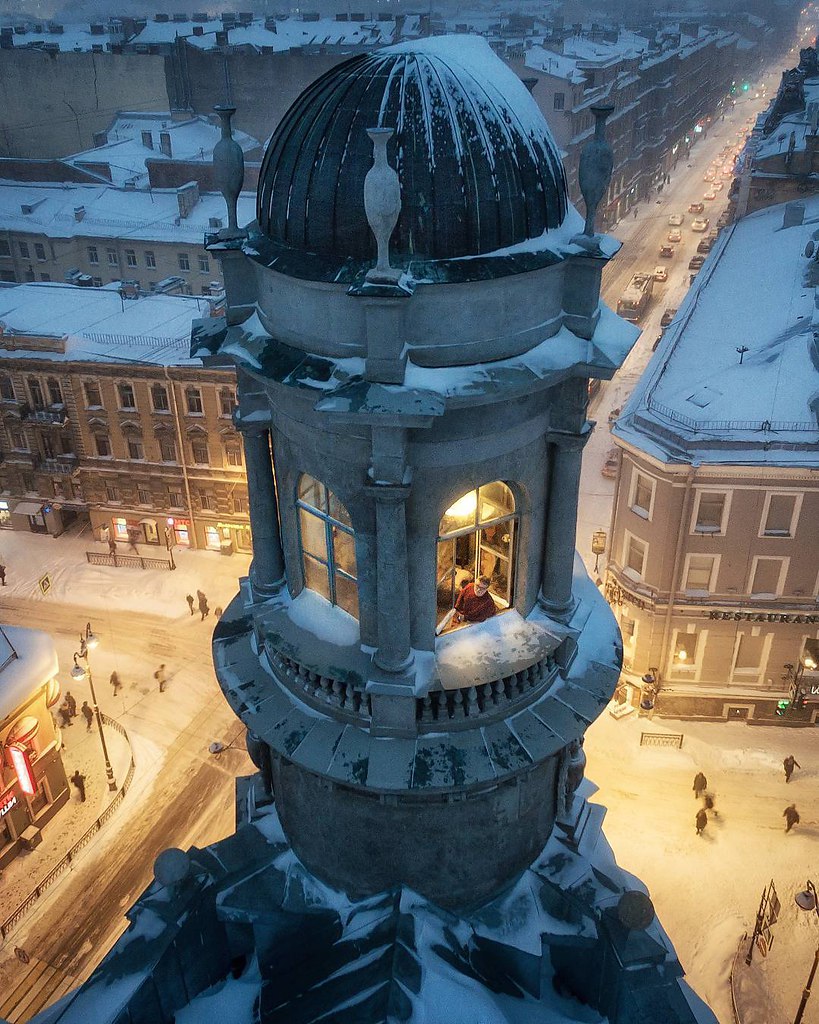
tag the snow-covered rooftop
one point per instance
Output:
(126, 150)
(696, 400)
(97, 325)
(28, 659)
(110, 212)
(72, 38)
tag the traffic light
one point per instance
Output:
(802, 698)
(782, 706)
(746, 86)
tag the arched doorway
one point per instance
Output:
(476, 538)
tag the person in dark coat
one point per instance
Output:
(189, 599)
(71, 704)
(78, 780)
(204, 608)
(708, 802)
(701, 821)
(87, 714)
(700, 785)
(160, 677)
(3, 575)
(115, 683)
(791, 816)
(788, 764)
(65, 716)
(112, 546)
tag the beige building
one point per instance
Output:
(99, 234)
(107, 420)
(714, 562)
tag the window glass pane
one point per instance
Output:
(699, 572)
(709, 513)
(316, 578)
(495, 501)
(496, 558)
(346, 595)
(635, 555)
(311, 492)
(313, 538)
(337, 510)
(780, 513)
(749, 655)
(344, 551)
(642, 493)
(460, 515)
(766, 576)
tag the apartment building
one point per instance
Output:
(100, 234)
(106, 420)
(714, 566)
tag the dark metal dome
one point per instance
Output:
(478, 166)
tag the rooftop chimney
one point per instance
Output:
(187, 196)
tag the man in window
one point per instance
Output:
(474, 602)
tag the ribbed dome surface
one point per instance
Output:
(478, 167)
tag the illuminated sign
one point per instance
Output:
(763, 617)
(22, 769)
(7, 806)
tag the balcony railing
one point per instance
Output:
(62, 465)
(54, 416)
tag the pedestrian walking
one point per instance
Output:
(708, 802)
(700, 785)
(160, 677)
(87, 714)
(635, 213)
(71, 704)
(788, 764)
(3, 575)
(65, 715)
(217, 611)
(78, 780)
(791, 816)
(701, 821)
(204, 608)
(115, 683)
(112, 545)
(189, 599)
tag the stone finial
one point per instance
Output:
(596, 162)
(229, 171)
(382, 204)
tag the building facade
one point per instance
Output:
(106, 421)
(33, 783)
(714, 570)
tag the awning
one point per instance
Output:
(28, 508)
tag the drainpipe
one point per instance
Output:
(675, 572)
(183, 460)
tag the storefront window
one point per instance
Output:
(327, 544)
(213, 539)
(182, 533)
(5, 514)
(120, 529)
(476, 537)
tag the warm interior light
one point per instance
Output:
(810, 664)
(682, 654)
(464, 507)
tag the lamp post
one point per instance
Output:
(168, 528)
(808, 899)
(598, 546)
(87, 643)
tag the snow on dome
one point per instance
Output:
(478, 166)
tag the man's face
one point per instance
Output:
(481, 588)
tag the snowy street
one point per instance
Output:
(706, 889)
(181, 794)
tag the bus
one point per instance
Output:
(635, 299)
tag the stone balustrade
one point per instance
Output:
(320, 691)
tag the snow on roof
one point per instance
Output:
(540, 59)
(696, 400)
(72, 38)
(28, 659)
(98, 325)
(109, 212)
(126, 152)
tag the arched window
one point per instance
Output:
(7, 388)
(327, 545)
(476, 538)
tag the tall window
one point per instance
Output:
(39, 251)
(167, 449)
(93, 396)
(559, 101)
(159, 398)
(103, 445)
(184, 261)
(113, 259)
(634, 556)
(24, 250)
(150, 259)
(193, 400)
(711, 509)
(327, 544)
(93, 255)
(55, 392)
(36, 391)
(204, 264)
(476, 537)
(768, 576)
(130, 258)
(780, 515)
(227, 402)
(136, 449)
(642, 495)
(6, 388)
(699, 572)
(125, 393)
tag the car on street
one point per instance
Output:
(708, 176)
(709, 195)
(700, 224)
(675, 220)
(675, 235)
(705, 245)
(696, 207)
(718, 186)
(668, 316)
(696, 261)
(713, 235)
(612, 463)
(722, 220)
(661, 273)
(666, 252)
(728, 171)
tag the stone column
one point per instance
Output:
(394, 653)
(561, 523)
(267, 567)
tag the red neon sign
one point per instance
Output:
(22, 768)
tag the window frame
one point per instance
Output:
(126, 408)
(726, 512)
(643, 513)
(184, 262)
(113, 257)
(112, 493)
(797, 508)
(92, 384)
(99, 435)
(150, 259)
(25, 252)
(200, 446)
(561, 97)
(7, 392)
(204, 263)
(330, 523)
(93, 256)
(690, 669)
(712, 579)
(130, 258)
(756, 674)
(157, 386)
(628, 537)
(781, 580)
(189, 389)
(135, 439)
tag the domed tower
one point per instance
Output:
(414, 318)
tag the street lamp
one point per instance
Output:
(598, 546)
(807, 900)
(168, 545)
(88, 642)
